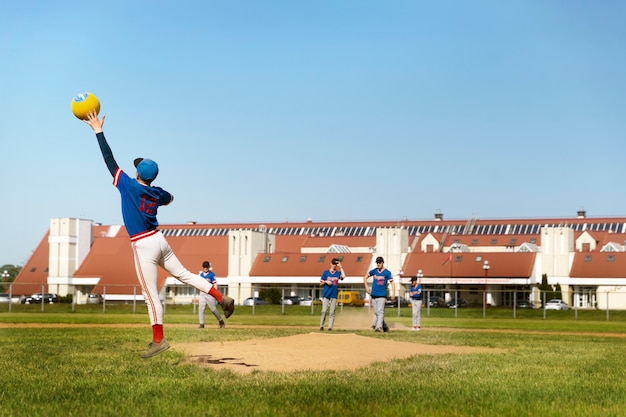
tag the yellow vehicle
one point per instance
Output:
(350, 298)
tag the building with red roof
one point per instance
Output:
(585, 256)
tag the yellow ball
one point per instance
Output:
(83, 104)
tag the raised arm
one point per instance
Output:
(96, 124)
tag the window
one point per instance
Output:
(587, 258)
(458, 258)
(610, 258)
(474, 241)
(513, 242)
(285, 259)
(359, 258)
(303, 258)
(321, 259)
(494, 241)
(479, 258)
(267, 259)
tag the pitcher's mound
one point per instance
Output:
(312, 351)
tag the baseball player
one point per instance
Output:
(140, 201)
(381, 276)
(330, 280)
(207, 300)
(416, 302)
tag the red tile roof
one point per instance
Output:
(598, 265)
(111, 259)
(35, 271)
(289, 264)
(470, 264)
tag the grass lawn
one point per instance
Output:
(562, 365)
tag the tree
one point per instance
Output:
(7, 278)
(271, 295)
(546, 288)
(557, 292)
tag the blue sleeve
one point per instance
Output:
(109, 160)
(164, 197)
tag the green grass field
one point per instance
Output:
(559, 366)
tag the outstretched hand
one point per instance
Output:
(95, 123)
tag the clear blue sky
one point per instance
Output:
(261, 111)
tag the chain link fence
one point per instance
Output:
(456, 301)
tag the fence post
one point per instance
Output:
(607, 306)
(515, 304)
(104, 299)
(282, 302)
(485, 304)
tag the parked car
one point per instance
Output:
(37, 298)
(556, 304)
(310, 301)
(437, 302)
(254, 301)
(4, 297)
(292, 300)
(457, 303)
(350, 298)
(394, 303)
(94, 299)
(526, 304)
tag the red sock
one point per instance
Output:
(216, 294)
(157, 333)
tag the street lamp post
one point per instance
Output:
(5, 276)
(486, 269)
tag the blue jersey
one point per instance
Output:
(380, 281)
(139, 202)
(330, 291)
(209, 276)
(416, 292)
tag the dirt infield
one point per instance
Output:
(311, 351)
(305, 351)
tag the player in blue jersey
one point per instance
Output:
(330, 280)
(381, 276)
(207, 300)
(140, 201)
(416, 302)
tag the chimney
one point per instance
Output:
(439, 216)
(582, 214)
